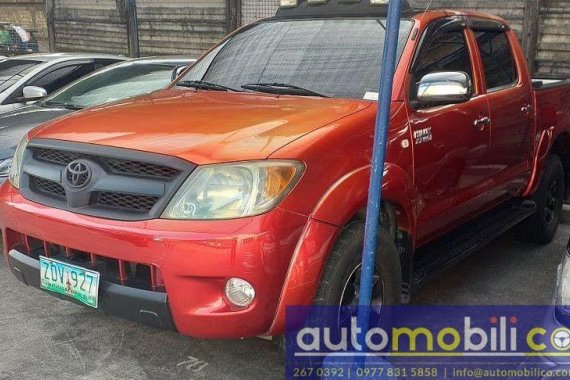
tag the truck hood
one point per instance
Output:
(202, 126)
(15, 124)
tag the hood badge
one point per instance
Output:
(78, 174)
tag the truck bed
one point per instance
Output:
(546, 83)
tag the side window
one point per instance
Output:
(446, 52)
(100, 63)
(62, 76)
(498, 60)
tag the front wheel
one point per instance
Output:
(541, 227)
(340, 283)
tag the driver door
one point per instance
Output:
(451, 143)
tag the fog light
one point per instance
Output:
(240, 292)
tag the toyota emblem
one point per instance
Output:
(78, 174)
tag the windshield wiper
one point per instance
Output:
(281, 89)
(203, 85)
(68, 106)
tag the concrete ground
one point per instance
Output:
(45, 338)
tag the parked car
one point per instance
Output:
(15, 40)
(112, 83)
(558, 318)
(25, 79)
(210, 206)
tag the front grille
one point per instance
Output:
(141, 168)
(114, 165)
(127, 202)
(47, 187)
(107, 182)
(121, 272)
(56, 156)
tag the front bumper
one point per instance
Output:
(146, 307)
(194, 259)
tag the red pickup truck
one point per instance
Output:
(211, 206)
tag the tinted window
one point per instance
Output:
(444, 52)
(58, 78)
(100, 63)
(12, 70)
(498, 60)
(114, 83)
(334, 57)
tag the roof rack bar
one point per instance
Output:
(338, 8)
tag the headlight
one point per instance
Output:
(231, 191)
(15, 169)
(5, 167)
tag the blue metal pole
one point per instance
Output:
(378, 160)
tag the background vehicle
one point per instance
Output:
(15, 40)
(116, 82)
(25, 79)
(558, 319)
(257, 165)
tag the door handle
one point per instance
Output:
(482, 122)
(526, 109)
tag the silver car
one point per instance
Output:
(113, 83)
(25, 79)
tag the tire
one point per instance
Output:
(344, 262)
(541, 227)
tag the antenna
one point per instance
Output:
(427, 8)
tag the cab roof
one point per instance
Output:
(364, 8)
(340, 8)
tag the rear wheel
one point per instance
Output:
(541, 227)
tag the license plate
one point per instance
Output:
(69, 280)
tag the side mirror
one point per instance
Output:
(177, 71)
(32, 94)
(448, 87)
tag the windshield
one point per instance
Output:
(12, 70)
(114, 83)
(334, 57)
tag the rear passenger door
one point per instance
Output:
(510, 100)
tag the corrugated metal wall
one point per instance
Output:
(96, 26)
(180, 26)
(164, 27)
(554, 38)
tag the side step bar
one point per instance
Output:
(449, 250)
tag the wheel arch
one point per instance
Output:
(398, 192)
(334, 211)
